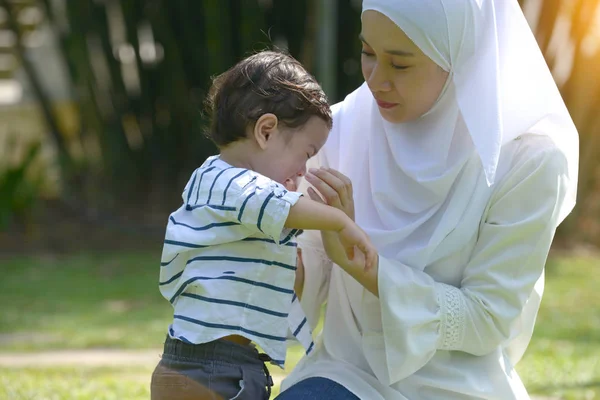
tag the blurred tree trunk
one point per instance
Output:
(581, 92)
(34, 79)
(141, 69)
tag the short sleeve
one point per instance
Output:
(263, 205)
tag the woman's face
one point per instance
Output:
(404, 81)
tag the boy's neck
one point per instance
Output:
(237, 155)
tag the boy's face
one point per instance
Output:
(288, 151)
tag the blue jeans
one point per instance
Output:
(317, 389)
(211, 371)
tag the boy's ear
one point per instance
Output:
(265, 129)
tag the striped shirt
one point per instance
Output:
(228, 263)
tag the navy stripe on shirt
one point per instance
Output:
(200, 183)
(262, 211)
(171, 279)
(229, 327)
(312, 344)
(213, 206)
(206, 227)
(214, 182)
(164, 264)
(244, 206)
(191, 188)
(249, 182)
(184, 244)
(184, 339)
(227, 278)
(300, 326)
(236, 304)
(289, 237)
(241, 259)
(229, 184)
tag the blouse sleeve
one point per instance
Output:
(420, 316)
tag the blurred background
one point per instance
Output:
(101, 125)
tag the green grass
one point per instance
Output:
(79, 302)
(92, 383)
(75, 383)
(563, 359)
(112, 301)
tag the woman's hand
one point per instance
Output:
(336, 189)
(351, 237)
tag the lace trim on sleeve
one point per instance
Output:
(453, 310)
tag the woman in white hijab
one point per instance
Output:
(459, 159)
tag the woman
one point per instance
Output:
(459, 158)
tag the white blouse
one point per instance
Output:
(456, 329)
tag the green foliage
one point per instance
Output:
(142, 69)
(20, 186)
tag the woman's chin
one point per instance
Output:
(398, 115)
(393, 115)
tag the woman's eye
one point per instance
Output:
(366, 53)
(400, 67)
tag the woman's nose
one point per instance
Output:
(377, 81)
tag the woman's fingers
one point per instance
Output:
(315, 196)
(370, 257)
(343, 178)
(331, 179)
(332, 197)
(349, 252)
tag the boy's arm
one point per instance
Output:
(310, 215)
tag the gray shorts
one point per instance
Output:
(219, 370)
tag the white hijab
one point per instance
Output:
(499, 88)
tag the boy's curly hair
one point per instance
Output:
(266, 82)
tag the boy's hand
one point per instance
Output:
(351, 235)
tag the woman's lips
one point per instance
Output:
(385, 104)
